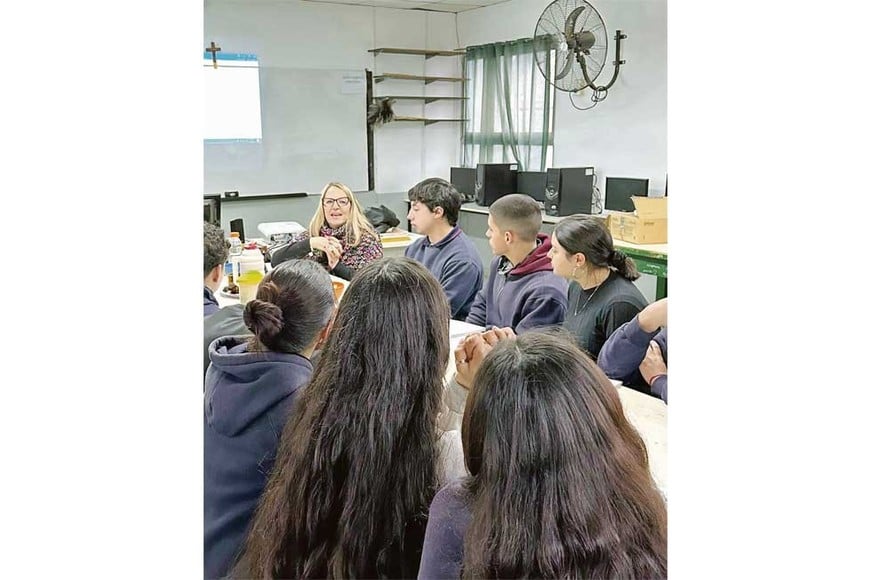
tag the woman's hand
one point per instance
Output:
(332, 257)
(325, 244)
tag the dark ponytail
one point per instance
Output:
(587, 235)
(624, 265)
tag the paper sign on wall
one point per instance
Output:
(353, 84)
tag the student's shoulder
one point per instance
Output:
(452, 496)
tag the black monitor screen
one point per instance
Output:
(532, 183)
(618, 192)
(463, 179)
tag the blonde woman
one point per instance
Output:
(339, 235)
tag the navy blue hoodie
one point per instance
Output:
(248, 396)
(527, 296)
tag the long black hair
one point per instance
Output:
(356, 466)
(560, 485)
(587, 235)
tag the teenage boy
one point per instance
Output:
(522, 291)
(444, 249)
(214, 253)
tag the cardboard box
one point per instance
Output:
(648, 224)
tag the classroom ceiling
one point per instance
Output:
(434, 5)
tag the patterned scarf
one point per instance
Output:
(368, 249)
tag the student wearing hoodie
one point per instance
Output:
(522, 291)
(250, 387)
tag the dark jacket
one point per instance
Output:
(443, 547)
(209, 302)
(621, 355)
(228, 321)
(524, 297)
(455, 262)
(248, 396)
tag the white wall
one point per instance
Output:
(626, 134)
(296, 34)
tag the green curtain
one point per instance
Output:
(509, 108)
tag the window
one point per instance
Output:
(509, 107)
(232, 98)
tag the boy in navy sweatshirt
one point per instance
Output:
(444, 249)
(522, 291)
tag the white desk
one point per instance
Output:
(396, 247)
(649, 416)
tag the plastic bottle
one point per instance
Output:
(235, 244)
(235, 252)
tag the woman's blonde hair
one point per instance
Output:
(356, 224)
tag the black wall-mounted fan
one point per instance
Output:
(574, 32)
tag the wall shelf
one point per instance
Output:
(417, 51)
(426, 99)
(426, 121)
(426, 79)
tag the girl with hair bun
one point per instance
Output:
(250, 388)
(601, 295)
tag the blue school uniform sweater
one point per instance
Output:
(457, 265)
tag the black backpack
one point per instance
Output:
(382, 218)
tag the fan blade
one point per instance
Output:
(564, 72)
(572, 20)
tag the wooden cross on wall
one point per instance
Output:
(213, 49)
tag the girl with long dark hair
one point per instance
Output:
(361, 457)
(559, 484)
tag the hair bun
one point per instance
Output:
(263, 318)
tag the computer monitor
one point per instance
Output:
(532, 183)
(211, 208)
(618, 192)
(238, 225)
(462, 179)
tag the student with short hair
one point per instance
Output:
(339, 236)
(559, 482)
(215, 254)
(250, 388)
(444, 249)
(362, 456)
(522, 291)
(601, 295)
